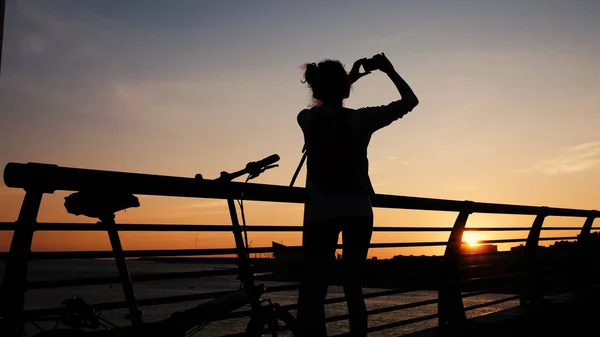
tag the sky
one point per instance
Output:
(508, 104)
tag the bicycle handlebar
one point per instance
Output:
(253, 168)
(257, 165)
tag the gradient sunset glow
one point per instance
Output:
(508, 105)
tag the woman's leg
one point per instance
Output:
(319, 254)
(356, 236)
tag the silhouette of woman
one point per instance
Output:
(340, 190)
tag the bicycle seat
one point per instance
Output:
(96, 204)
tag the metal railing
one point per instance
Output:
(448, 279)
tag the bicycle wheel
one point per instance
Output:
(272, 322)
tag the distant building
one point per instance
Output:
(284, 254)
(478, 249)
(517, 248)
(521, 247)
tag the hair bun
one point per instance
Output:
(311, 74)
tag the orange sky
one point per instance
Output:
(508, 113)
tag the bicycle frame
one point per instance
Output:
(224, 304)
(249, 294)
(244, 266)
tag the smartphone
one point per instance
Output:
(370, 64)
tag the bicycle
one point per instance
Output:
(85, 322)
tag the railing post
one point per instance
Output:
(15, 276)
(531, 290)
(451, 312)
(584, 280)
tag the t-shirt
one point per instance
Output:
(323, 204)
(335, 153)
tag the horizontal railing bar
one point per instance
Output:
(339, 299)
(166, 300)
(402, 306)
(49, 178)
(182, 298)
(487, 304)
(405, 244)
(197, 252)
(389, 292)
(502, 252)
(205, 296)
(224, 251)
(151, 277)
(141, 302)
(157, 301)
(501, 241)
(558, 238)
(288, 287)
(83, 227)
(491, 277)
(384, 310)
(162, 300)
(369, 295)
(493, 229)
(479, 292)
(525, 239)
(564, 269)
(409, 321)
(416, 203)
(289, 307)
(422, 318)
(377, 294)
(45, 284)
(489, 265)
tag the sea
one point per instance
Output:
(69, 269)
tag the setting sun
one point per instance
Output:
(470, 238)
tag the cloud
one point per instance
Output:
(74, 32)
(32, 44)
(574, 159)
(64, 64)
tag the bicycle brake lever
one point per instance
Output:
(263, 169)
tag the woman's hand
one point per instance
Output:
(384, 64)
(355, 73)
